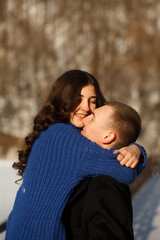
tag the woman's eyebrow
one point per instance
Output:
(93, 97)
(80, 95)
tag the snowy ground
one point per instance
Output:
(146, 210)
(8, 190)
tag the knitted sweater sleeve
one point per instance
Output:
(101, 161)
(90, 160)
(67, 152)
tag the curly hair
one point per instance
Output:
(60, 101)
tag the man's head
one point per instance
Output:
(112, 125)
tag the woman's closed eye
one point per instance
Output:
(93, 100)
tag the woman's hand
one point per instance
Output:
(129, 156)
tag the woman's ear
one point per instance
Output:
(109, 138)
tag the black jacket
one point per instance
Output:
(99, 208)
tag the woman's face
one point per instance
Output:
(86, 103)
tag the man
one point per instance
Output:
(100, 207)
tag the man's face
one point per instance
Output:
(96, 125)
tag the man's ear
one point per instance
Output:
(109, 138)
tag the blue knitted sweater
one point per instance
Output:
(60, 158)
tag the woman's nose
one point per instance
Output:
(85, 105)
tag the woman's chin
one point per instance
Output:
(78, 123)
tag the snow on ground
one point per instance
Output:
(8, 190)
(146, 210)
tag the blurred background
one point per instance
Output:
(117, 41)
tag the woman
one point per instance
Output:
(57, 157)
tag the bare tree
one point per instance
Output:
(117, 41)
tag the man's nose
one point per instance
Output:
(86, 120)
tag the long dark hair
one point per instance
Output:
(61, 100)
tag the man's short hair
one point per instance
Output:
(127, 122)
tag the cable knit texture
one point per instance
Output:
(60, 158)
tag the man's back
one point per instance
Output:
(99, 208)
